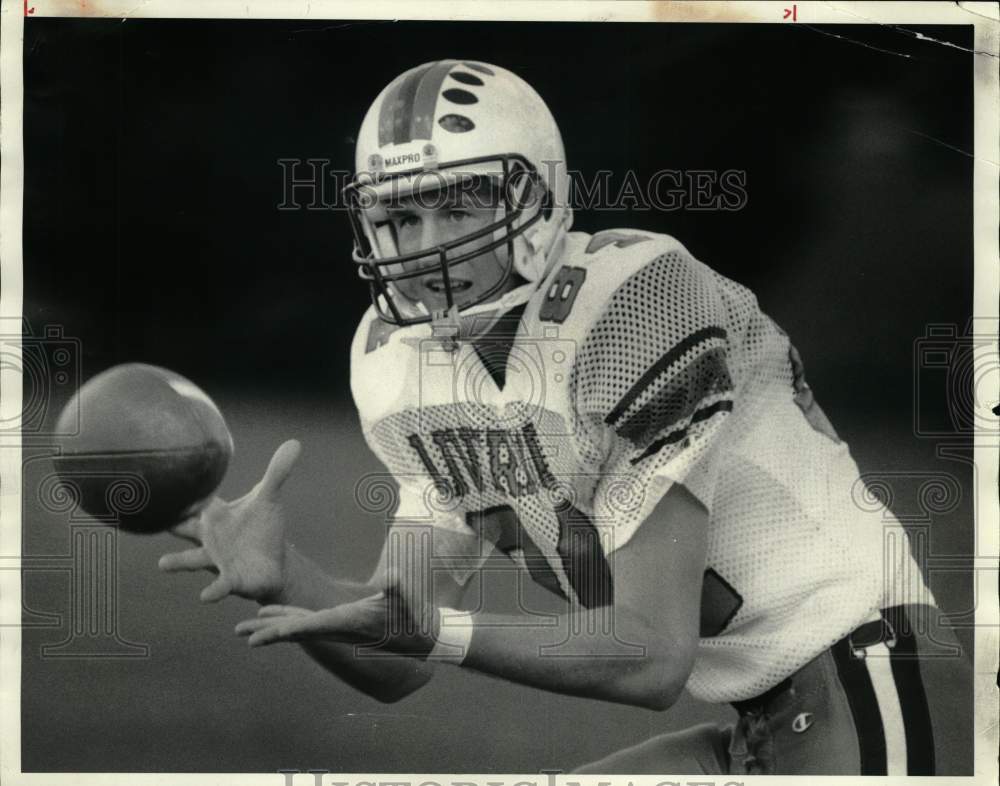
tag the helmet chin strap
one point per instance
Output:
(450, 326)
(446, 327)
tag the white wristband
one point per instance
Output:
(454, 636)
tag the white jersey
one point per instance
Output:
(634, 367)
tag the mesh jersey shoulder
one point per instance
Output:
(656, 352)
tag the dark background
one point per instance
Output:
(152, 233)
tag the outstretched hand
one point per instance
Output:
(242, 541)
(383, 620)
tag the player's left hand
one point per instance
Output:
(383, 620)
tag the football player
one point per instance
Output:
(628, 428)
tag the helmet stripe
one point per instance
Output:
(397, 106)
(425, 100)
(408, 108)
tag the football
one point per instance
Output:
(150, 445)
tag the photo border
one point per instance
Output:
(983, 16)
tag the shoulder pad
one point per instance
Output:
(366, 329)
(633, 245)
(384, 360)
(371, 334)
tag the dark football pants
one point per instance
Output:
(892, 698)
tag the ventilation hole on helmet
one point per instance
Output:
(465, 79)
(480, 68)
(458, 96)
(457, 124)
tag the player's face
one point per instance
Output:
(426, 221)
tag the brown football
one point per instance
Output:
(150, 444)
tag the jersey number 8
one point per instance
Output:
(562, 293)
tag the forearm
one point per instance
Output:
(595, 653)
(385, 678)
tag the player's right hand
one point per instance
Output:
(242, 541)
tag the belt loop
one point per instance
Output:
(890, 639)
(871, 633)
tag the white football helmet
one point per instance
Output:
(442, 125)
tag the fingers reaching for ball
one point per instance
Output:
(292, 626)
(266, 617)
(279, 469)
(275, 610)
(192, 559)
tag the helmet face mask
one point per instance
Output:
(446, 129)
(515, 195)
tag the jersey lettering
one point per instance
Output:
(513, 459)
(562, 292)
(507, 464)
